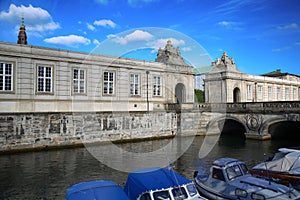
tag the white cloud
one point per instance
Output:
(110, 36)
(139, 2)
(186, 49)
(225, 23)
(137, 35)
(281, 49)
(289, 26)
(161, 43)
(230, 25)
(90, 27)
(103, 2)
(96, 42)
(105, 23)
(70, 40)
(36, 19)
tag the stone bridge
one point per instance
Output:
(255, 120)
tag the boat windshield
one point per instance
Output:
(179, 193)
(244, 168)
(233, 172)
(191, 189)
(162, 195)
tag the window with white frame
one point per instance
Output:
(270, 93)
(157, 86)
(294, 94)
(44, 79)
(287, 93)
(278, 93)
(134, 84)
(108, 82)
(249, 92)
(259, 92)
(6, 77)
(78, 81)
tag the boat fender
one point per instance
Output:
(195, 174)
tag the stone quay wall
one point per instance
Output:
(31, 131)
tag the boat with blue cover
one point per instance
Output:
(96, 190)
(228, 178)
(159, 184)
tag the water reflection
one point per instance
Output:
(127, 157)
(46, 175)
(235, 141)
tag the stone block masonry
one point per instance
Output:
(30, 131)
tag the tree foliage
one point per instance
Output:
(199, 96)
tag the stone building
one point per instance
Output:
(226, 84)
(37, 79)
(51, 97)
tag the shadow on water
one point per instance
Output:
(232, 134)
(288, 130)
(232, 140)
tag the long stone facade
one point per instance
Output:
(51, 97)
(28, 131)
(50, 80)
(226, 84)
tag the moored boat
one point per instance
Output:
(284, 167)
(144, 184)
(158, 184)
(96, 190)
(228, 178)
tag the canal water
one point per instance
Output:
(47, 174)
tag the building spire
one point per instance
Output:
(22, 38)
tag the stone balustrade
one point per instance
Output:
(252, 107)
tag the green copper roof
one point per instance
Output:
(22, 24)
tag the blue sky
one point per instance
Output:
(261, 36)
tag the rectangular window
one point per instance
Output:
(249, 92)
(157, 86)
(108, 82)
(79, 81)
(294, 94)
(278, 93)
(270, 93)
(44, 81)
(259, 92)
(287, 93)
(6, 77)
(134, 84)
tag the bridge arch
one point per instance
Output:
(281, 127)
(226, 126)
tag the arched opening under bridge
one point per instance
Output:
(233, 133)
(287, 130)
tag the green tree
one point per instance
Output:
(199, 96)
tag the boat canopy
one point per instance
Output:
(148, 179)
(96, 190)
(289, 163)
(222, 162)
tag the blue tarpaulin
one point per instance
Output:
(96, 190)
(144, 180)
